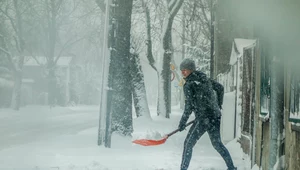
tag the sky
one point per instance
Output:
(65, 138)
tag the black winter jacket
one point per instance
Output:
(203, 96)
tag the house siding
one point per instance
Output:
(267, 48)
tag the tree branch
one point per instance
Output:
(171, 5)
(66, 46)
(37, 61)
(6, 52)
(167, 34)
(175, 8)
(9, 58)
(101, 5)
(204, 14)
(149, 41)
(10, 19)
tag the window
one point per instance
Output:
(265, 90)
(294, 100)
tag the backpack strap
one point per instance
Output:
(220, 91)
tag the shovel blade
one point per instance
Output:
(148, 142)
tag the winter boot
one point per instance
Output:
(232, 168)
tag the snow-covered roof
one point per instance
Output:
(238, 47)
(5, 83)
(41, 60)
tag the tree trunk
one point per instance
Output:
(52, 97)
(183, 51)
(121, 106)
(16, 99)
(52, 13)
(164, 99)
(138, 88)
(149, 41)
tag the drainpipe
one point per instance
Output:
(276, 110)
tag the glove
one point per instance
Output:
(182, 123)
(181, 126)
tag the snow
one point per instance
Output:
(228, 117)
(280, 163)
(43, 138)
(265, 117)
(295, 115)
(240, 45)
(294, 118)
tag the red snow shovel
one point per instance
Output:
(148, 142)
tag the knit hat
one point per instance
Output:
(188, 64)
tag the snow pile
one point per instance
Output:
(41, 138)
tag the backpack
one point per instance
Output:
(209, 93)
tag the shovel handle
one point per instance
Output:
(177, 130)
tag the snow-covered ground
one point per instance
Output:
(40, 138)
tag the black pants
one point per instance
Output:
(212, 127)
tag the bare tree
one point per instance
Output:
(53, 16)
(164, 101)
(195, 34)
(149, 39)
(13, 13)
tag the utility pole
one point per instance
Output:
(103, 111)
